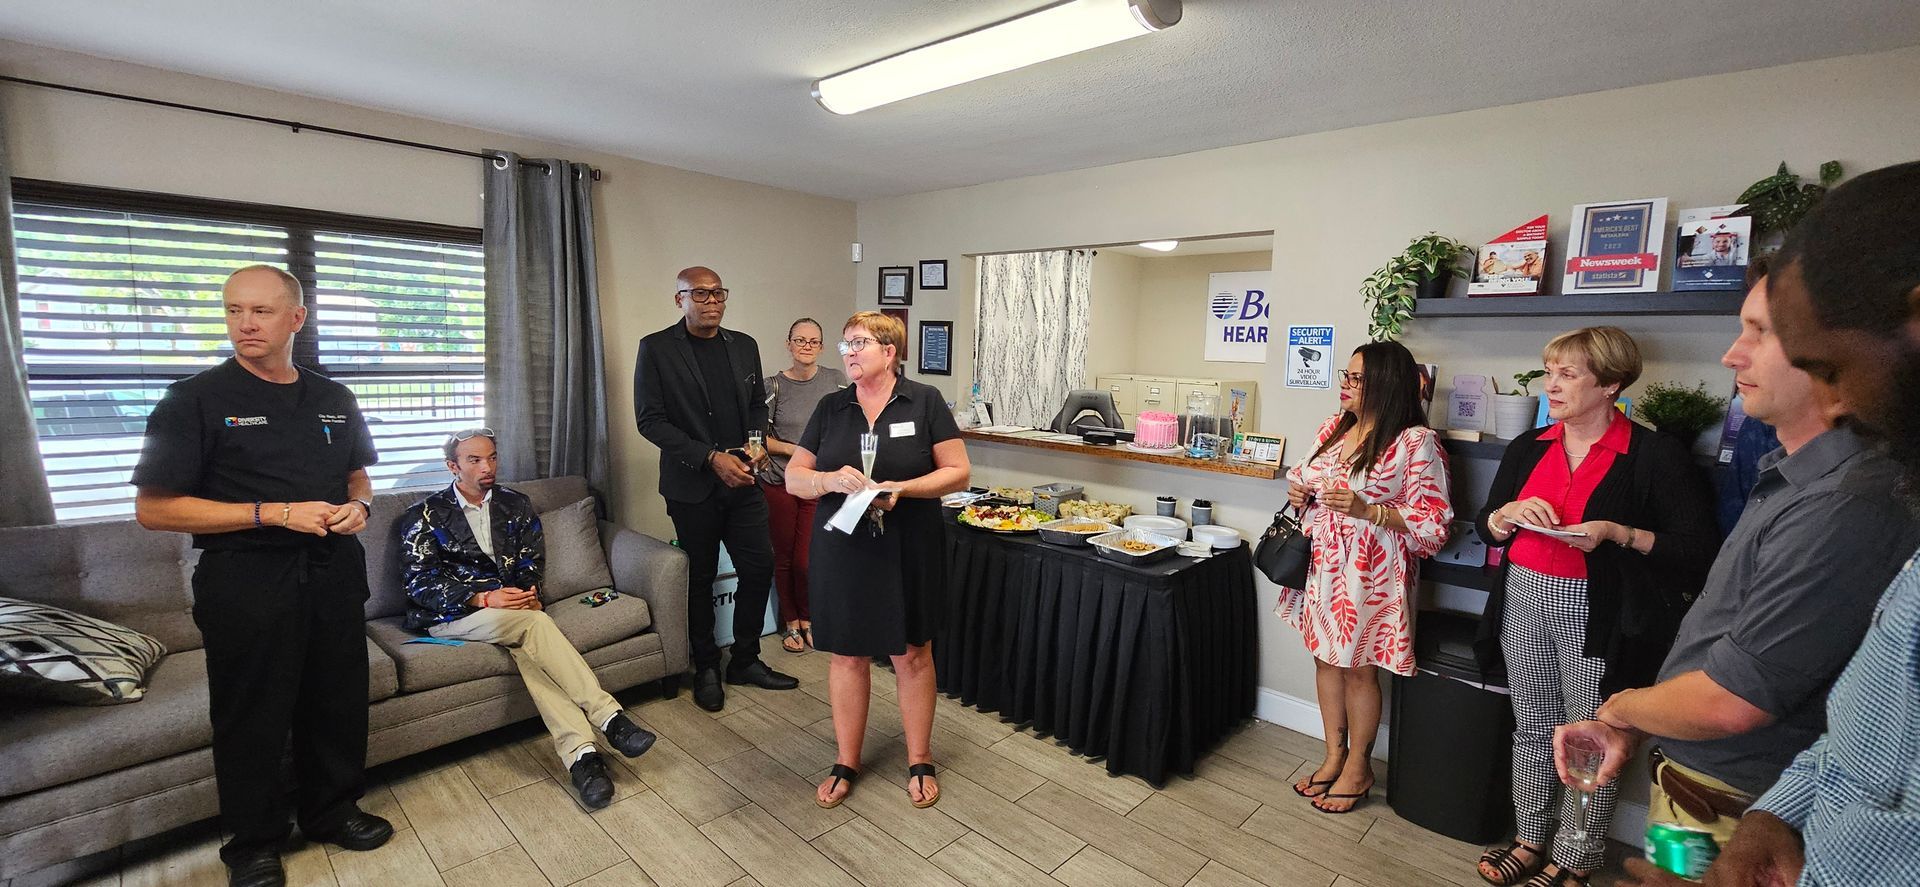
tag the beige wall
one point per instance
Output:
(1114, 328)
(1340, 203)
(784, 254)
(1173, 312)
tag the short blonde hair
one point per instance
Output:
(1608, 351)
(886, 329)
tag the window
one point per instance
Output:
(120, 297)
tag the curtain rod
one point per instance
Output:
(294, 125)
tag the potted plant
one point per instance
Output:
(1680, 411)
(1780, 201)
(1513, 413)
(1421, 271)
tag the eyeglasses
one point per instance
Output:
(855, 345)
(471, 433)
(806, 343)
(1351, 380)
(703, 296)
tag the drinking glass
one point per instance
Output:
(1584, 757)
(756, 445)
(869, 448)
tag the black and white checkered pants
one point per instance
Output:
(1544, 628)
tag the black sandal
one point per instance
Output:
(1310, 785)
(840, 773)
(923, 771)
(1565, 877)
(1356, 798)
(1506, 860)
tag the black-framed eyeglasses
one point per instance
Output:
(807, 343)
(703, 296)
(855, 345)
(466, 434)
(1352, 380)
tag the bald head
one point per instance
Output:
(266, 276)
(702, 300)
(697, 277)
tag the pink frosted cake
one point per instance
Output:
(1156, 430)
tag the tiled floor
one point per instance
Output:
(726, 800)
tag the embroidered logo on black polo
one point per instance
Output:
(242, 421)
(333, 418)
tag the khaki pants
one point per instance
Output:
(562, 686)
(1663, 810)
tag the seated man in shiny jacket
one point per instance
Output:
(473, 558)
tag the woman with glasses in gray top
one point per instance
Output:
(792, 395)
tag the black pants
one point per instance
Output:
(286, 650)
(738, 517)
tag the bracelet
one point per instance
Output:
(256, 512)
(286, 514)
(1632, 535)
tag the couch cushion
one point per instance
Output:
(576, 564)
(426, 666)
(47, 744)
(383, 676)
(590, 628)
(57, 655)
(115, 570)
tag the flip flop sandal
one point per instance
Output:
(840, 773)
(1356, 797)
(793, 634)
(918, 771)
(1506, 861)
(807, 630)
(1311, 783)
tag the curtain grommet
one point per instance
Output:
(500, 161)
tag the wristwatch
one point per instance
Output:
(366, 504)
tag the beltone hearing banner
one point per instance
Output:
(1237, 316)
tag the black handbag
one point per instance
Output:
(1283, 553)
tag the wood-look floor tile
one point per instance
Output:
(1091, 868)
(778, 791)
(797, 708)
(1210, 798)
(877, 860)
(402, 860)
(790, 744)
(1001, 776)
(771, 853)
(565, 843)
(703, 737)
(1039, 842)
(670, 850)
(510, 867)
(1062, 766)
(307, 864)
(820, 691)
(1276, 740)
(101, 869)
(1217, 875)
(1277, 794)
(745, 882)
(1336, 852)
(1253, 747)
(688, 786)
(1239, 850)
(503, 768)
(809, 667)
(450, 818)
(978, 862)
(379, 801)
(1130, 843)
(873, 739)
(193, 864)
(1440, 856)
(624, 874)
(887, 805)
(977, 727)
(626, 782)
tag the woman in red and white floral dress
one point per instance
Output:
(1375, 492)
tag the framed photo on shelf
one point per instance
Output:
(933, 274)
(936, 347)
(896, 285)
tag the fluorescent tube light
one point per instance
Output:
(1160, 246)
(1048, 33)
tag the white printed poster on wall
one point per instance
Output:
(1310, 357)
(1237, 316)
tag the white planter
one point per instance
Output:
(1513, 415)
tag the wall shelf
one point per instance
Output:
(1622, 305)
(1475, 449)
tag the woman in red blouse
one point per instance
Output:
(1609, 531)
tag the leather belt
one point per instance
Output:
(1700, 801)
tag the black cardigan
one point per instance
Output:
(1634, 601)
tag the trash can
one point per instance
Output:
(1450, 749)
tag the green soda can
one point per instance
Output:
(1683, 851)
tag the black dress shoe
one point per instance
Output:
(707, 692)
(758, 674)
(260, 868)
(361, 831)
(628, 737)
(590, 779)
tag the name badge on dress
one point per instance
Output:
(900, 429)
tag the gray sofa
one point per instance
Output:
(78, 780)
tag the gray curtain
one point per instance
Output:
(1030, 342)
(546, 382)
(26, 501)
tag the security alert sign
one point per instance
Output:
(1310, 357)
(1237, 316)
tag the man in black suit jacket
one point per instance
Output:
(697, 391)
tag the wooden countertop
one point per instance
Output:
(1120, 451)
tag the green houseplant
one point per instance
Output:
(1513, 412)
(1422, 270)
(1680, 411)
(1780, 201)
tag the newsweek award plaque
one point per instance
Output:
(1615, 247)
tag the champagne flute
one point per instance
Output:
(869, 448)
(1584, 757)
(756, 445)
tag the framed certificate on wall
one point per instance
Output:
(896, 285)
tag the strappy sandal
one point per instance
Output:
(1565, 877)
(798, 643)
(1323, 785)
(922, 772)
(840, 773)
(1506, 861)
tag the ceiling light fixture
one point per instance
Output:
(1160, 246)
(1047, 33)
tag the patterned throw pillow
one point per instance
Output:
(50, 653)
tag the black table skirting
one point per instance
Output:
(1146, 666)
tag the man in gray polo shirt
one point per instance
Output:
(1789, 598)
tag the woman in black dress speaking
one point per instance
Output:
(879, 590)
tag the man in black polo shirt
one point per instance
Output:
(265, 464)
(697, 391)
(1789, 599)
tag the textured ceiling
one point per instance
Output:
(721, 86)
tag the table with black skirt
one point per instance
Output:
(1147, 666)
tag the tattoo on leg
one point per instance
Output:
(1343, 737)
